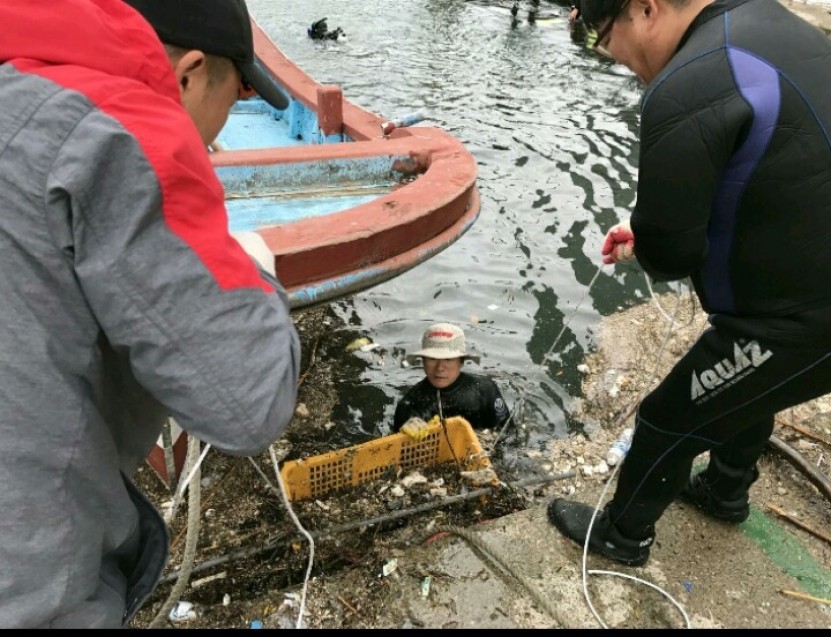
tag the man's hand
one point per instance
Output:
(619, 244)
(573, 14)
(415, 428)
(256, 248)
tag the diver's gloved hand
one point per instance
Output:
(415, 428)
(619, 244)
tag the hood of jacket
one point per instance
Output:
(103, 35)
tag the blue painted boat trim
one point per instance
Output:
(255, 180)
(260, 213)
(255, 124)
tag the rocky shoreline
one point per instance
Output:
(817, 14)
(241, 517)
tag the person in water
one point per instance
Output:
(733, 176)
(447, 391)
(319, 30)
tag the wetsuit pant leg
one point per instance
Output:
(732, 467)
(722, 395)
(745, 448)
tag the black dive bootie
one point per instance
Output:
(572, 520)
(722, 491)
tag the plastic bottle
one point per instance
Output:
(620, 447)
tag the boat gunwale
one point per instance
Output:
(378, 239)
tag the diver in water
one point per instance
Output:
(319, 30)
(446, 391)
(532, 12)
(514, 12)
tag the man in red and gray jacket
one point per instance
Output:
(125, 300)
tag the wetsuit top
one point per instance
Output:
(475, 398)
(734, 184)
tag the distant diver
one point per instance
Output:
(320, 31)
(514, 12)
(532, 12)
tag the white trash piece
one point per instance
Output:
(620, 447)
(182, 612)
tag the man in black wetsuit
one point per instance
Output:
(446, 390)
(734, 191)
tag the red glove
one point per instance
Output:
(619, 244)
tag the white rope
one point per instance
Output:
(191, 539)
(671, 319)
(184, 482)
(521, 398)
(585, 571)
(281, 491)
(637, 580)
(194, 519)
(300, 528)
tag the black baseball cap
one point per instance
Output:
(593, 12)
(217, 27)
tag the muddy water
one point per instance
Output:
(554, 130)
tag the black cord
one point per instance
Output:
(444, 429)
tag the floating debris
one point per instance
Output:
(358, 343)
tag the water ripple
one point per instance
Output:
(553, 128)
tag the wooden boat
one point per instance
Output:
(342, 205)
(343, 198)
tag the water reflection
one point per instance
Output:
(554, 130)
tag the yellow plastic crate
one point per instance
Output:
(352, 466)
